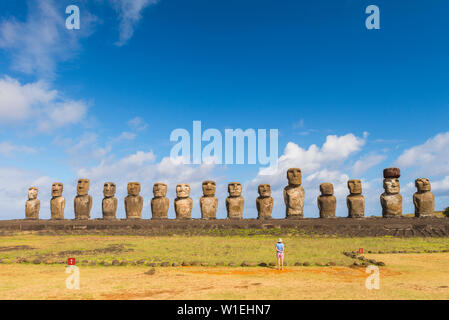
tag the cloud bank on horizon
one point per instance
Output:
(51, 133)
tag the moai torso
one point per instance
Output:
(391, 199)
(209, 206)
(109, 203)
(264, 202)
(424, 200)
(32, 205)
(183, 203)
(83, 201)
(235, 202)
(159, 208)
(133, 201)
(57, 202)
(83, 205)
(355, 201)
(160, 203)
(391, 205)
(109, 207)
(209, 202)
(327, 203)
(356, 206)
(294, 194)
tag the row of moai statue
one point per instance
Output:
(391, 199)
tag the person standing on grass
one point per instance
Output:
(280, 254)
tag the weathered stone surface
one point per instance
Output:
(423, 199)
(57, 202)
(264, 202)
(327, 203)
(392, 173)
(83, 201)
(150, 272)
(183, 202)
(160, 203)
(209, 202)
(355, 201)
(133, 201)
(294, 194)
(32, 205)
(391, 199)
(109, 203)
(235, 202)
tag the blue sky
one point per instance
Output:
(101, 102)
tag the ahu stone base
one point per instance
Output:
(367, 227)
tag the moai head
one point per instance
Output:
(327, 189)
(264, 190)
(235, 189)
(182, 190)
(159, 190)
(392, 186)
(355, 186)
(133, 188)
(294, 176)
(209, 188)
(422, 184)
(83, 187)
(109, 189)
(391, 180)
(32, 193)
(56, 189)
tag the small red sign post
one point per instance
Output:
(361, 250)
(71, 261)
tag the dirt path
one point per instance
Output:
(407, 276)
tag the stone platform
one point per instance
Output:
(365, 227)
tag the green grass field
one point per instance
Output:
(417, 271)
(211, 250)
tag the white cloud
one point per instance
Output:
(142, 167)
(129, 14)
(430, 158)
(14, 185)
(318, 165)
(17, 101)
(37, 102)
(126, 136)
(441, 187)
(363, 164)
(39, 43)
(137, 124)
(7, 149)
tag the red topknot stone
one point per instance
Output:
(392, 173)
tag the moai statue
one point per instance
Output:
(57, 202)
(183, 202)
(83, 201)
(327, 203)
(133, 201)
(264, 202)
(355, 201)
(109, 203)
(160, 203)
(235, 202)
(209, 202)
(424, 200)
(32, 205)
(294, 194)
(391, 199)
